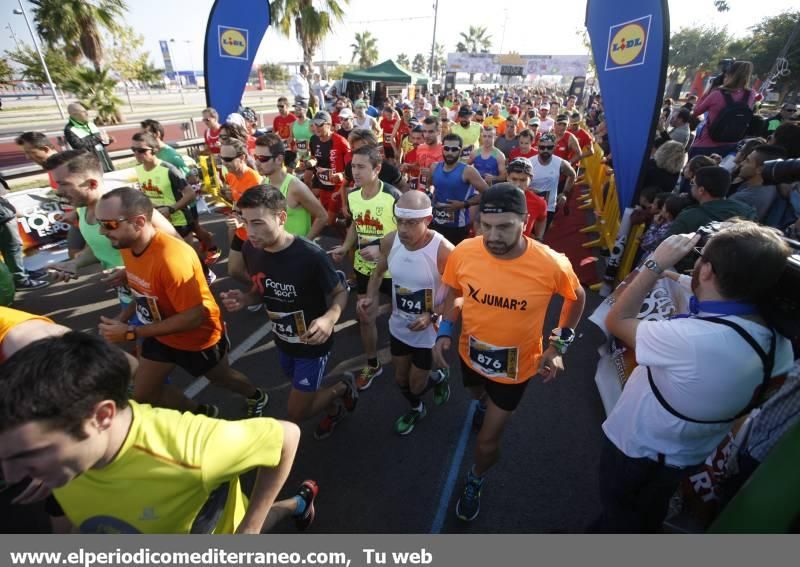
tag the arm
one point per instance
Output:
(621, 320)
(473, 177)
(27, 332)
(539, 227)
(574, 149)
(306, 199)
(338, 252)
(178, 323)
(187, 198)
(75, 142)
(269, 482)
(551, 361)
(501, 166)
(569, 173)
(163, 225)
(376, 278)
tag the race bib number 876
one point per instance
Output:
(493, 361)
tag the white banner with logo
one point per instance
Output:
(488, 63)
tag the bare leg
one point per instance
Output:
(224, 376)
(149, 387)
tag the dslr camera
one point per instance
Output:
(724, 67)
(781, 171)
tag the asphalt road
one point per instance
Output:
(374, 481)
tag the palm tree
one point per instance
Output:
(439, 61)
(403, 61)
(310, 24)
(6, 73)
(74, 25)
(365, 49)
(95, 89)
(475, 41)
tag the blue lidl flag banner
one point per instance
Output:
(234, 32)
(630, 44)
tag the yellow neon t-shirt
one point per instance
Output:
(166, 469)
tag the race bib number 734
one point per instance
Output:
(288, 326)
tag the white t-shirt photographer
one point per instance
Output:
(705, 371)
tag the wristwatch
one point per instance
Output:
(130, 334)
(171, 209)
(651, 264)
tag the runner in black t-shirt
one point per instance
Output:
(304, 297)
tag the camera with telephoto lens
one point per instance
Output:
(782, 309)
(781, 171)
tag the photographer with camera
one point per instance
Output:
(729, 107)
(697, 373)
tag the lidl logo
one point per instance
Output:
(627, 43)
(232, 42)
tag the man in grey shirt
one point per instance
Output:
(753, 191)
(680, 126)
(508, 141)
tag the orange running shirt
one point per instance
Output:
(238, 186)
(505, 303)
(167, 279)
(10, 318)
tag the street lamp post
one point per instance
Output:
(21, 11)
(433, 41)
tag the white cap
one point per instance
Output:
(428, 106)
(345, 113)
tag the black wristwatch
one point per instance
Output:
(651, 265)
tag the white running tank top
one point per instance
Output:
(545, 180)
(415, 281)
(366, 124)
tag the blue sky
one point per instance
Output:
(547, 30)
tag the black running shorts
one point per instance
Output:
(422, 358)
(504, 396)
(195, 363)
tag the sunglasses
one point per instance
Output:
(140, 150)
(262, 158)
(112, 224)
(546, 148)
(451, 148)
(281, 106)
(229, 159)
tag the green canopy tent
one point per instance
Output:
(388, 72)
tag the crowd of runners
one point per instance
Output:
(440, 205)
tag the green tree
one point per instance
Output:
(694, 49)
(6, 73)
(95, 89)
(418, 65)
(475, 40)
(310, 24)
(336, 73)
(148, 74)
(584, 35)
(763, 46)
(75, 25)
(403, 61)
(275, 73)
(365, 49)
(439, 61)
(26, 57)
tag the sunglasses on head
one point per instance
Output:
(112, 224)
(451, 148)
(140, 150)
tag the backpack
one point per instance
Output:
(732, 122)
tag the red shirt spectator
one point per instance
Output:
(212, 139)
(516, 152)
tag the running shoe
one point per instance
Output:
(308, 491)
(212, 256)
(328, 424)
(480, 413)
(208, 410)
(367, 375)
(37, 274)
(256, 405)
(469, 505)
(441, 389)
(31, 284)
(350, 398)
(405, 424)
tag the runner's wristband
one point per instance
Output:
(445, 329)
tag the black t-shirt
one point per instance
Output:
(388, 174)
(294, 283)
(321, 151)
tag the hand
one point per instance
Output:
(164, 211)
(674, 248)
(318, 331)
(337, 178)
(421, 323)
(561, 201)
(112, 330)
(337, 253)
(34, 492)
(64, 271)
(453, 205)
(115, 277)
(489, 178)
(233, 223)
(70, 218)
(440, 348)
(371, 253)
(364, 305)
(550, 364)
(234, 300)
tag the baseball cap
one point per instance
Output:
(503, 198)
(544, 106)
(520, 165)
(513, 110)
(345, 113)
(575, 117)
(427, 106)
(360, 104)
(464, 111)
(322, 117)
(300, 104)
(405, 106)
(534, 121)
(562, 119)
